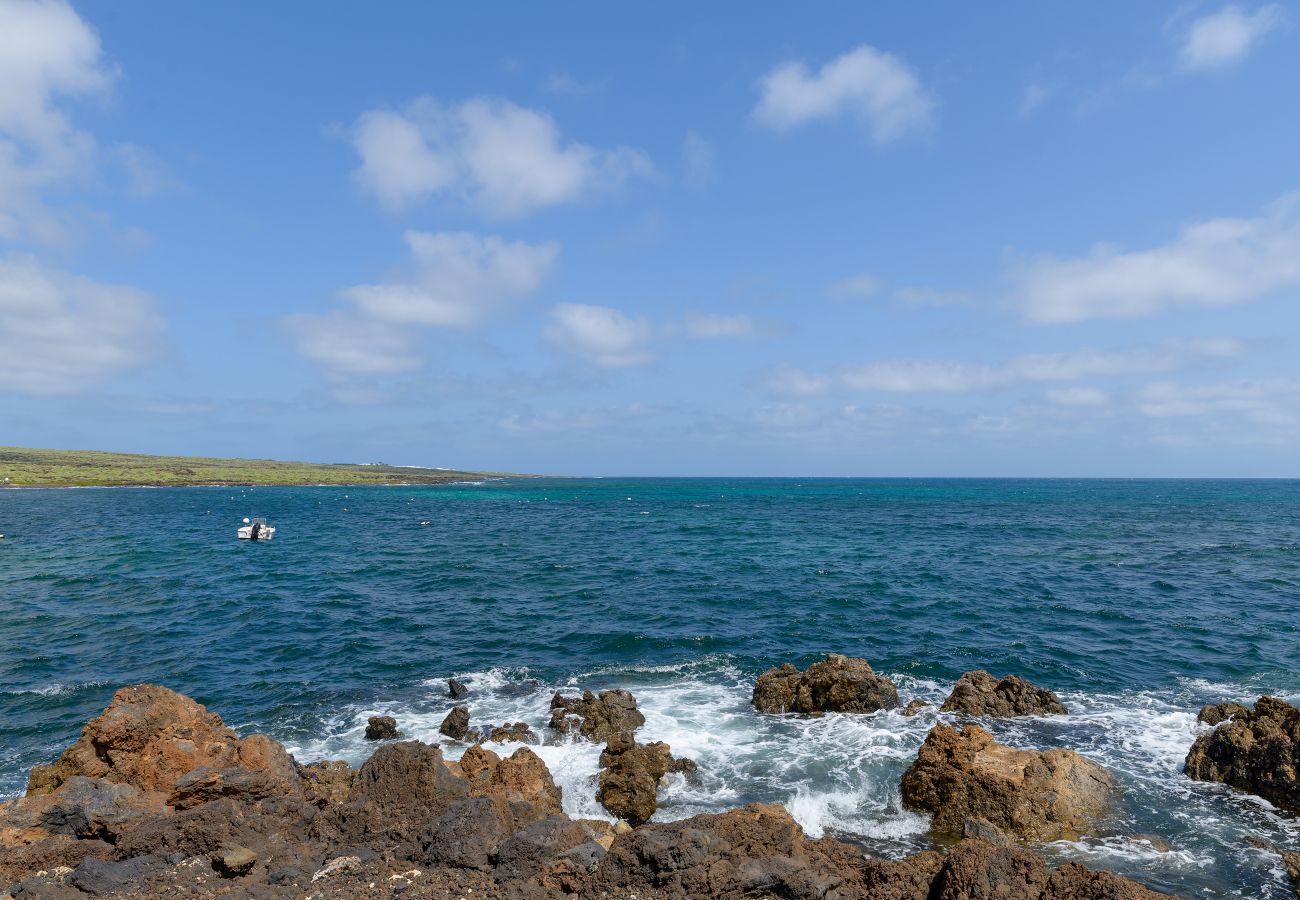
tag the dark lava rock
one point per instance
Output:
(1256, 751)
(456, 724)
(456, 690)
(381, 728)
(100, 877)
(980, 694)
(524, 853)
(596, 717)
(1037, 795)
(629, 780)
(1218, 713)
(396, 791)
(838, 683)
(978, 869)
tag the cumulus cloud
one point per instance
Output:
(1227, 36)
(460, 279)
(60, 333)
(909, 376)
(1267, 402)
(1218, 262)
(876, 88)
(47, 54)
(504, 160)
(453, 280)
(603, 336)
(349, 344)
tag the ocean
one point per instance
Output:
(1136, 600)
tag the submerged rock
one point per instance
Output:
(978, 693)
(1255, 751)
(630, 776)
(836, 684)
(596, 717)
(381, 728)
(915, 706)
(1037, 795)
(456, 723)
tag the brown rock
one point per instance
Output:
(1220, 712)
(381, 728)
(1291, 860)
(836, 684)
(980, 694)
(148, 737)
(975, 870)
(1036, 795)
(518, 733)
(326, 783)
(596, 717)
(456, 723)
(915, 706)
(456, 690)
(397, 791)
(1256, 751)
(81, 807)
(630, 776)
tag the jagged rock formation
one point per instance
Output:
(1037, 795)
(1218, 713)
(160, 799)
(630, 776)
(836, 684)
(381, 728)
(596, 717)
(978, 693)
(1255, 751)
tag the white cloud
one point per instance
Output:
(1078, 396)
(504, 160)
(47, 54)
(1268, 402)
(856, 287)
(705, 326)
(349, 344)
(60, 333)
(699, 163)
(874, 87)
(1227, 36)
(563, 84)
(460, 279)
(955, 376)
(1214, 263)
(601, 335)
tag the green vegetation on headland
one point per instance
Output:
(91, 468)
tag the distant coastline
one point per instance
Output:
(23, 467)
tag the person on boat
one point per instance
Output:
(256, 530)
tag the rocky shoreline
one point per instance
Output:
(159, 798)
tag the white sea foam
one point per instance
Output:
(840, 774)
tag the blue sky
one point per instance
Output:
(916, 239)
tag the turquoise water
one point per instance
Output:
(1136, 600)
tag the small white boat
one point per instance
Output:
(256, 530)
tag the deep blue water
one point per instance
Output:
(1136, 600)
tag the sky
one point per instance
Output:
(921, 239)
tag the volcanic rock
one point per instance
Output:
(978, 693)
(327, 782)
(148, 737)
(400, 788)
(631, 774)
(456, 690)
(518, 733)
(381, 728)
(978, 869)
(1037, 795)
(836, 684)
(456, 724)
(596, 717)
(1215, 714)
(1256, 751)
